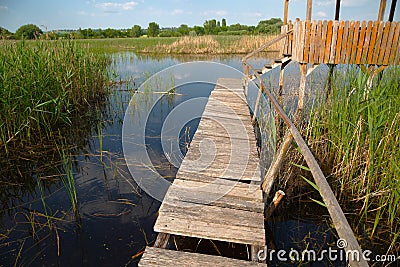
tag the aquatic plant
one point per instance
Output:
(355, 132)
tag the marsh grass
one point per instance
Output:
(355, 133)
(206, 44)
(43, 84)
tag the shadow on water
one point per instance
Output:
(114, 218)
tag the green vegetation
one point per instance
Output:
(28, 31)
(355, 133)
(43, 84)
(210, 27)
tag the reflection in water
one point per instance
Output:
(114, 218)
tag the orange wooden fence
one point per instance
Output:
(344, 42)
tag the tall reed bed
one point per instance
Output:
(43, 83)
(356, 133)
(215, 44)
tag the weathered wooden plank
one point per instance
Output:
(395, 48)
(200, 177)
(353, 51)
(386, 44)
(229, 188)
(212, 197)
(371, 48)
(322, 52)
(313, 41)
(381, 45)
(338, 46)
(343, 50)
(307, 33)
(368, 34)
(361, 42)
(172, 258)
(330, 42)
(378, 43)
(216, 223)
(318, 43)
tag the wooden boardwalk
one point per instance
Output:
(216, 193)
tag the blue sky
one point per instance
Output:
(72, 14)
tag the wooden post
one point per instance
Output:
(309, 10)
(302, 89)
(285, 12)
(392, 9)
(337, 12)
(382, 8)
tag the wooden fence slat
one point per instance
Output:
(329, 40)
(318, 45)
(385, 42)
(306, 49)
(395, 48)
(339, 42)
(345, 40)
(335, 31)
(290, 38)
(390, 44)
(368, 34)
(313, 42)
(302, 40)
(321, 57)
(353, 51)
(360, 42)
(349, 42)
(378, 42)
(372, 42)
(397, 59)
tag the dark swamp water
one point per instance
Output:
(115, 217)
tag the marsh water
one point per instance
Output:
(114, 219)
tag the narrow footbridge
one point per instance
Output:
(216, 194)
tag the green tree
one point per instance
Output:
(136, 31)
(183, 29)
(209, 26)
(153, 29)
(5, 34)
(28, 31)
(223, 22)
(199, 30)
(269, 26)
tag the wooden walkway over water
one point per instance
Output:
(216, 194)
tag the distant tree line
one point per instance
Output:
(214, 27)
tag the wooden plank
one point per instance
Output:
(353, 51)
(365, 51)
(321, 57)
(172, 258)
(307, 33)
(318, 43)
(162, 240)
(378, 43)
(212, 197)
(349, 42)
(200, 177)
(329, 40)
(371, 47)
(338, 46)
(210, 222)
(343, 50)
(290, 47)
(386, 42)
(313, 41)
(382, 8)
(395, 49)
(360, 42)
(229, 188)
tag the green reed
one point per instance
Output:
(43, 84)
(355, 132)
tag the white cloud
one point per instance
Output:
(254, 14)
(114, 7)
(215, 13)
(321, 14)
(177, 12)
(353, 3)
(324, 3)
(3, 7)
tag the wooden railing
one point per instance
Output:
(346, 42)
(339, 219)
